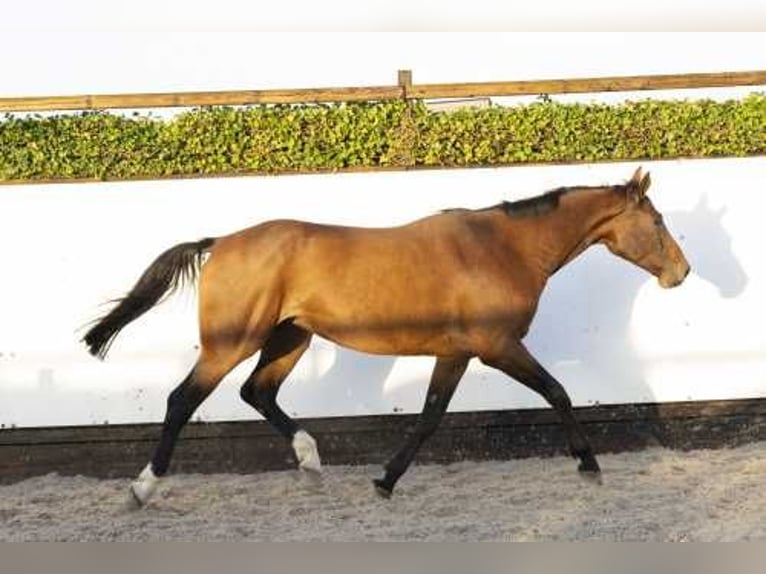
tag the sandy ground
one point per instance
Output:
(657, 495)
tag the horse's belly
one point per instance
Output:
(395, 344)
(390, 336)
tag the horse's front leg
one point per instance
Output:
(444, 380)
(516, 361)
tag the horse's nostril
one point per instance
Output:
(681, 278)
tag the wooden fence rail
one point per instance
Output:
(403, 90)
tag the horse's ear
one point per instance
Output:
(638, 185)
(644, 184)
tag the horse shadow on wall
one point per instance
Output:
(581, 330)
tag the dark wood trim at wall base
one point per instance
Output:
(249, 447)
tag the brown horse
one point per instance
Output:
(456, 285)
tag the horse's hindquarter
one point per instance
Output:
(434, 287)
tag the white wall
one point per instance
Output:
(604, 328)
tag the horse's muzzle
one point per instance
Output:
(674, 279)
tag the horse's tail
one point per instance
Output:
(171, 270)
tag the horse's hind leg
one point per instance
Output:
(517, 362)
(444, 380)
(280, 353)
(211, 367)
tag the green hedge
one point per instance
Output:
(273, 139)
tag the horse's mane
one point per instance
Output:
(548, 201)
(537, 205)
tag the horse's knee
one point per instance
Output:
(183, 400)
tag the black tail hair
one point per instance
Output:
(171, 270)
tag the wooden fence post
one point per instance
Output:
(404, 79)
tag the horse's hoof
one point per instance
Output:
(588, 463)
(311, 479)
(133, 502)
(381, 489)
(311, 467)
(593, 476)
(141, 492)
(590, 470)
(144, 486)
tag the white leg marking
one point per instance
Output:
(305, 448)
(145, 485)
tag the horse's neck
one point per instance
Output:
(567, 231)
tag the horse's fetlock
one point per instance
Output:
(559, 399)
(305, 448)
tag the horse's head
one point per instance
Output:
(638, 234)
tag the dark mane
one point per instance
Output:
(533, 206)
(538, 205)
(542, 204)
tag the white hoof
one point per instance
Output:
(144, 486)
(305, 448)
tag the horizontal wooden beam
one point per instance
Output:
(194, 99)
(589, 85)
(405, 89)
